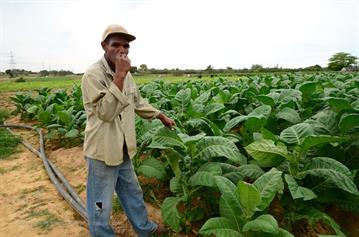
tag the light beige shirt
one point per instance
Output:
(111, 114)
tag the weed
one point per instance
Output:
(8, 143)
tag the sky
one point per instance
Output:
(187, 34)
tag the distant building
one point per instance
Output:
(350, 69)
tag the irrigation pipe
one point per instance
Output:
(56, 177)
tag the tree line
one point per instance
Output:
(337, 62)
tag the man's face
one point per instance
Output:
(115, 44)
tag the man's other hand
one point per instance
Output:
(166, 120)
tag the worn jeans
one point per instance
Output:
(102, 181)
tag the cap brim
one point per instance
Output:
(128, 36)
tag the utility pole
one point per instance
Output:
(12, 61)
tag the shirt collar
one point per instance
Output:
(107, 67)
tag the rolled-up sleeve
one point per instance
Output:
(106, 103)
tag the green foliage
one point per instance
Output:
(8, 143)
(282, 125)
(60, 112)
(237, 146)
(341, 60)
(4, 114)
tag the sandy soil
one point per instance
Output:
(30, 204)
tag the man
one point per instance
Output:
(111, 99)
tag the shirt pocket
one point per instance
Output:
(131, 93)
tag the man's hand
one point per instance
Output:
(122, 63)
(122, 66)
(166, 120)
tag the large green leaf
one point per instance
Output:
(334, 173)
(267, 153)
(295, 133)
(298, 191)
(175, 185)
(45, 117)
(268, 185)
(233, 122)
(338, 104)
(72, 133)
(308, 88)
(214, 146)
(264, 223)
(348, 122)
(203, 98)
(170, 213)
(258, 118)
(202, 178)
(230, 198)
(183, 99)
(266, 100)
(173, 158)
(314, 140)
(191, 139)
(32, 109)
(249, 197)
(152, 167)
(64, 117)
(254, 120)
(211, 167)
(283, 233)
(166, 138)
(220, 227)
(289, 115)
(213, 108)
(355, 105)
(251, 171)
(324, 122)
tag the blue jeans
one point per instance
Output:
(102, 181)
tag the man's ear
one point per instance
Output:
(103, 44)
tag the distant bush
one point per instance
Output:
(20, 79)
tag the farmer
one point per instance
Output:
(111, 99)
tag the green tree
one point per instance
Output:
(44, 73)
(143, 68)
(256, 67)
(341, 60)
(209, 68)
(11, 73)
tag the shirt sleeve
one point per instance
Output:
(106, 103)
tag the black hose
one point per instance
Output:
(56, 171)
(69, 194)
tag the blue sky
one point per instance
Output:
(66, 34)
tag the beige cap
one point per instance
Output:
(117, 29)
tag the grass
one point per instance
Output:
(49, 220)
(8, 143)
(31, 83)
(12, 168)
(80, 188)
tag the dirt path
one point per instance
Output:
(30, 205)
